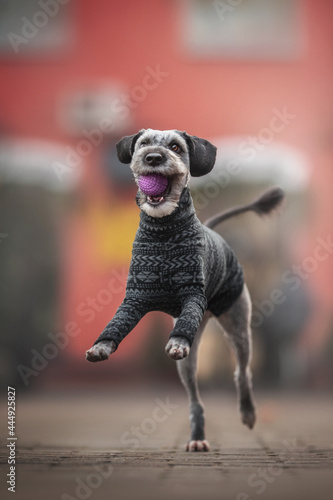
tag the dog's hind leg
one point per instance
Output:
(236, 325)
(187, 369)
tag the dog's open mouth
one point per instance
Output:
(155, 186)
(155, 200)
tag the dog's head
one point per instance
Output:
(162, 162)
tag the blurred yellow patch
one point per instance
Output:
(113, 230)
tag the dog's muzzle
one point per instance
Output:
(154, 184)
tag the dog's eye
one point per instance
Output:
(143, 143)
(175, 148)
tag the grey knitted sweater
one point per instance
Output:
(179, 267)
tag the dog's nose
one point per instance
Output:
(154, 159)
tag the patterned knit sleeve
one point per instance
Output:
(193, 309)
(128, 315)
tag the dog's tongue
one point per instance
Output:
(153, 184)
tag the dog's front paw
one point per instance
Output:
(100, 351)
(178, 348)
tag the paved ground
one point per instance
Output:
(131, 446)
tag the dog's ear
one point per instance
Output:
(125, 147)
(202, 155)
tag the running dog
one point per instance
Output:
(182, 267)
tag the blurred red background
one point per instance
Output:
(51, 95)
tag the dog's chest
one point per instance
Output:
(166, 265)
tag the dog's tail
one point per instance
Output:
(265, 204)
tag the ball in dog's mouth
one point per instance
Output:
(154, 186)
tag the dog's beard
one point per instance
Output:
(164, 204)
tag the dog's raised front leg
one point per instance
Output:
(187, 325)
(126, 318)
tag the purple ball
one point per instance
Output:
(153, 184)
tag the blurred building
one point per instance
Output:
(254, 76)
